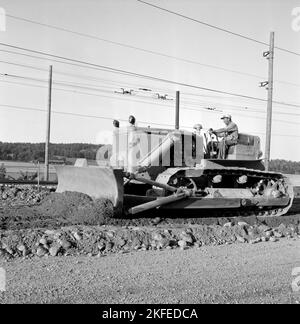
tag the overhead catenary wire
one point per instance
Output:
(143, 76)
(123, 84)
(191, 104)
(110, 69)
(131, 46)
(82, 115)
(111, 119)
(215, 27)
(110, 81)
(184, 107)
(116, 83)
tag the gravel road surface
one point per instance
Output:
(238, 273)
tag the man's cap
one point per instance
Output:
(226, 116)
(197, 126)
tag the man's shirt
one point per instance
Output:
(230, 132)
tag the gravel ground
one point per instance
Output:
(239, 273)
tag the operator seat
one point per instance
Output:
(247, 148)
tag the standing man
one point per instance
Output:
(198, 130)
(229, 134)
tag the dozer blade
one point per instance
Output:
(97, 182)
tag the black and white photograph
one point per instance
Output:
(149, 155)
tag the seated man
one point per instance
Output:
(229, 134)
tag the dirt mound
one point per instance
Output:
(76, 208)
(57, 210)
(14, 195)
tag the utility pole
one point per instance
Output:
(177, 110)
(270, 56)
(46, 174)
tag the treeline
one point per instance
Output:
(285, 166)
(27, 152)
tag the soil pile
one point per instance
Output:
(15, 195)
(56, 210)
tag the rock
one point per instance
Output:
(197, 244)
(77, 236)
(9, 250)
(43, 241)
(182, 244)
(228, 224)
(281, 228)
(64, 243)
(21, 247)
(273, 239)
(264, 228)
(264, 239)
(241, 239)
(164, 243)
(110, 234)
(4, 254)
(156, 220)
(256, 240)
(243, 224)
(251, 233)
(54, 249)
(269, 234)
(109, 246)
(157, 237)
(101, 246)
(41, 251)
(120, 242)
(278, 235)
(187, 237)
(49, 232)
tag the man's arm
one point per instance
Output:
(230, 128)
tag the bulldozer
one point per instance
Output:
(170, 169)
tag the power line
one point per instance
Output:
(296, 105)
(116, 97)
(133, 74)
(70, 74)
(139, 101)
(215, 27)
(108, 118)
(106, 91)
(244, 108)
(81, 115)
(202, 22)
(132, 47)
(78, 85)
(118, 84)
(119, 71)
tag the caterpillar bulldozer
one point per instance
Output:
(153, 168)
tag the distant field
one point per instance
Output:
(13, 168)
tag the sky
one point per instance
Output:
(189, 53)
